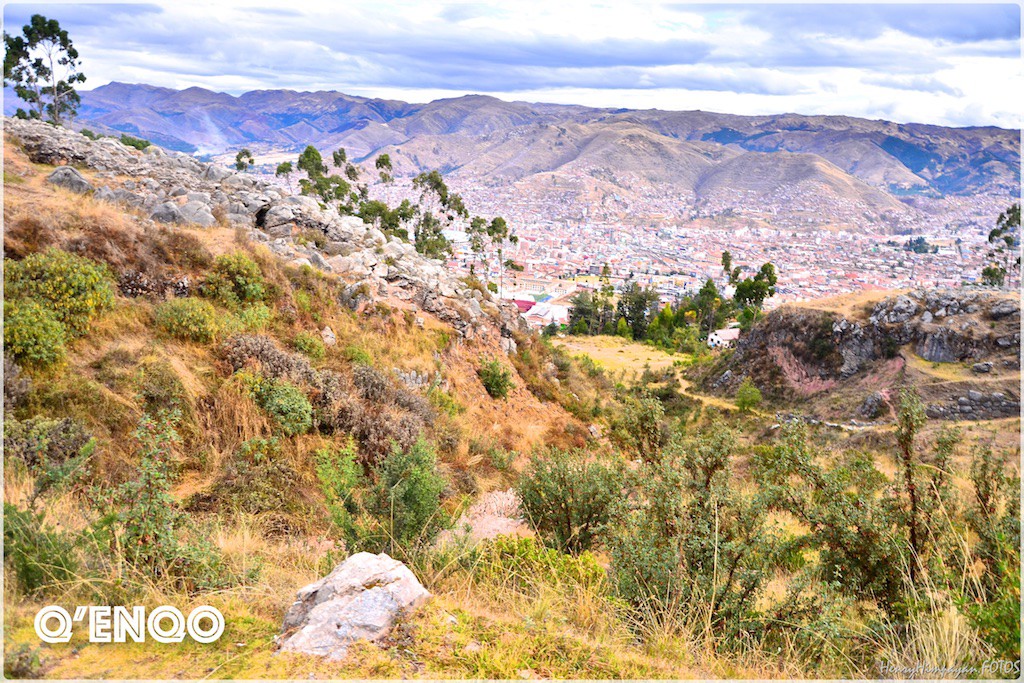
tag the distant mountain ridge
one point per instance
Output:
(705, 158)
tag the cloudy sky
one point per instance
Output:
(950, 64)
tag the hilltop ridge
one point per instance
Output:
(870, 168)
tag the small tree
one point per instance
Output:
(383, 165)
(497, 380)
(568, 497)
(42, 65)
(1005, 252)
(641, 427)
(244, 159)
(748, 396)
(285, 169)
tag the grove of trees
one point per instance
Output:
(682, 325)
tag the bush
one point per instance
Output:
(75, 289)
(358, 355)
(373, 384)
(641, 430)
(283, 401)
(496, 379)
(257, 480)
(236, 279)
(32, 334)
(55, 451)
(138, 143)
(341, 480)
(145, 518)
(255, 318)
(681, 526)
(310, 344)
(569, 499)
(445, 402)
(747, 396)
(41, 557)
(405, 501)
(850, 510)
(16, 385)
(190, 319)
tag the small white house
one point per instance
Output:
(721, 339)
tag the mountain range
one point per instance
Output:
(694, 158)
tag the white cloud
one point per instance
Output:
(949, 64)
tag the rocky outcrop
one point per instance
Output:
(176, 189)
(360, 600)
(69, 179)
(942, 326)
(800, 352)
(977, 405)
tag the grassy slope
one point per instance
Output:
(471, 629)
(97, 386)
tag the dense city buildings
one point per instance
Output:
(561, 248)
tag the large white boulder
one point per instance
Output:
(361, 599)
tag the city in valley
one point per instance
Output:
(676, 249)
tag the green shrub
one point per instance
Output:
(641, 430)
(138, 143)
(54, 451)
(445, 402)
(158, 540)
(75, 289)
(358, 355)
(748, 396)
(525, 565)
(341, 480)
(32, 335)
(190, 319)
(568, 498)
(89, 134)
(236, 279)
(41, 557)
(496, 379)
(310, 344)
(255, 318)
(686, 537)
(404, 503)
(257, 480)
(283, 401)
(850, 510)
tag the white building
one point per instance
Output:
(723, 338)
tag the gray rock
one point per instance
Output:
(1004, 309)
(873, 406)
(216, 173)
(361, 599)
(981, 368)
(508, 345)
(167, 212)
(902, 310)
(926, 317)
(198, 213)
(278, 215)
(70, 179)
(327, 334)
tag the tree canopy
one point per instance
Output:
(42, 67)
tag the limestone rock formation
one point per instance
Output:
(176, 189)
(70, 179)
(361, 599)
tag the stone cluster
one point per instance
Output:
(177, 189)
